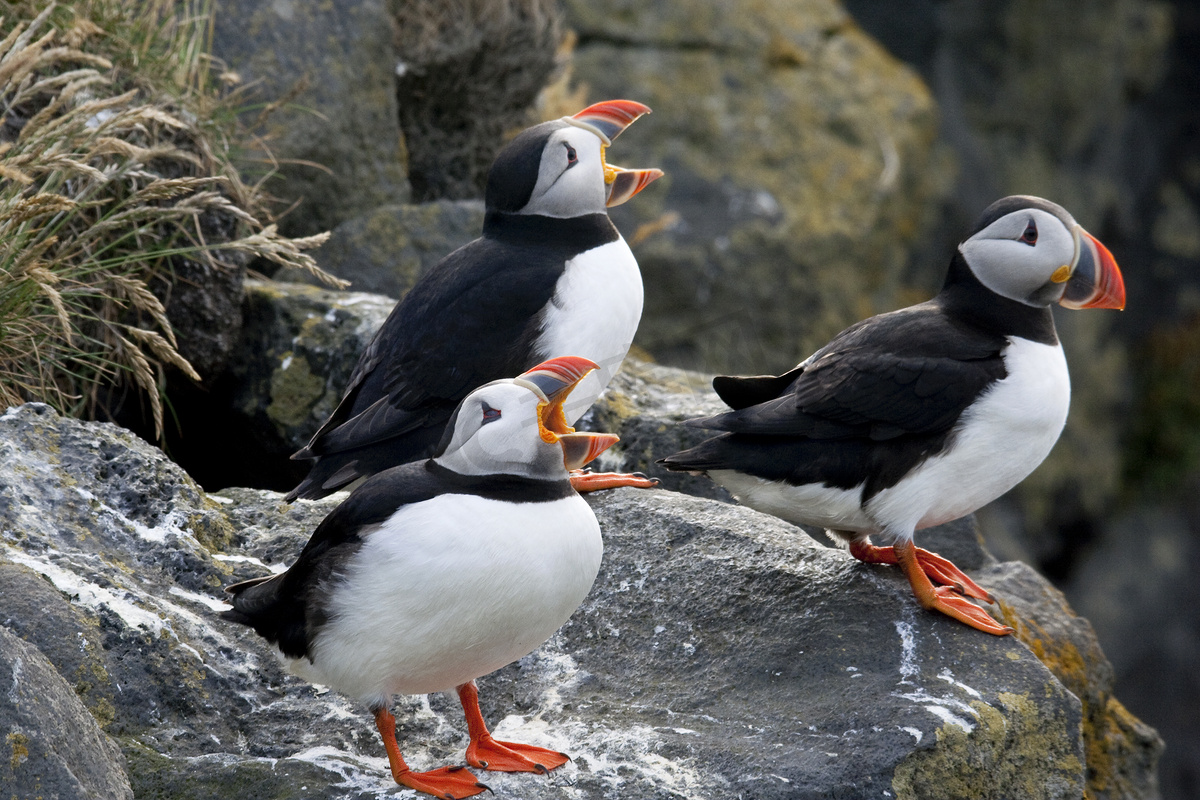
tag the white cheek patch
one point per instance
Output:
(1012, 268)
(569, 191)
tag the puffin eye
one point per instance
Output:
(490, 414)
(1030, 235)
(572, 156)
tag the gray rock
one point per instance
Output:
(1136, 586)
(721, 654)
(387, 250)
(466, 79)
(335, 143)
(53, 747)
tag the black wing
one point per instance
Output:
(472, 320)
(911, 372)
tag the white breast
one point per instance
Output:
(594, 313)
(1003, 437)
(451, 589)
(810, 504)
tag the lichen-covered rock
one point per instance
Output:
(798, 159)
(1121, 751)
(52, 747)
(721, 653)
(333, 135)
(299, 346)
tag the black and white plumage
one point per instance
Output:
(920, 416)
(550, 276)
(432, 574)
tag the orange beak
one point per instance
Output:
(1095, 280)
(553, 380)
(607, 120)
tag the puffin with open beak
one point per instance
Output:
(550, 276)
(432, 574)
(920, 416)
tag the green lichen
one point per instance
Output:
(211, 528)
(294, 392)
(1021, 749)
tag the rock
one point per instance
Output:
(799, 167)
(386, 250)
(467, 76)
(721, 654)
(334, 144)
(300, 345)
(54, 747)
(204, 304)
(72, 639)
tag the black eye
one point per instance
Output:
(572, 156)
(1030, 234)
(490, 414)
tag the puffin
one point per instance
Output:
(917, 417)
(550, 276)
(431, 574)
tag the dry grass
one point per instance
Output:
(110, 167)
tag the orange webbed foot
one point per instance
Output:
(947, 599)
(491, 754)
(449, 783)
(952, 604)
(943, 571)
(934, 566)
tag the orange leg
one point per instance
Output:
(585, 481)
(943, 598)
(449, 783)
(488, 753)
(934, 566)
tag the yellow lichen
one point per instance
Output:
(1013, 751)
(19, 743)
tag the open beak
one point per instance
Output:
(607, 119)
(553, 381)
(1095, 281)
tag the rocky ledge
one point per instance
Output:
(721, 654)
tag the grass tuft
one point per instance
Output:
(113, 165)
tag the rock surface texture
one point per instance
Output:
(798, 159)
(721, 654)
(326, 73)
(54, 747)
(386, 250)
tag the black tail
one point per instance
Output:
(266, 605)
(704, 456)
(739, 393)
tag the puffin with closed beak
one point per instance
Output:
(550, 276)
(920, 416)
(432, 574)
